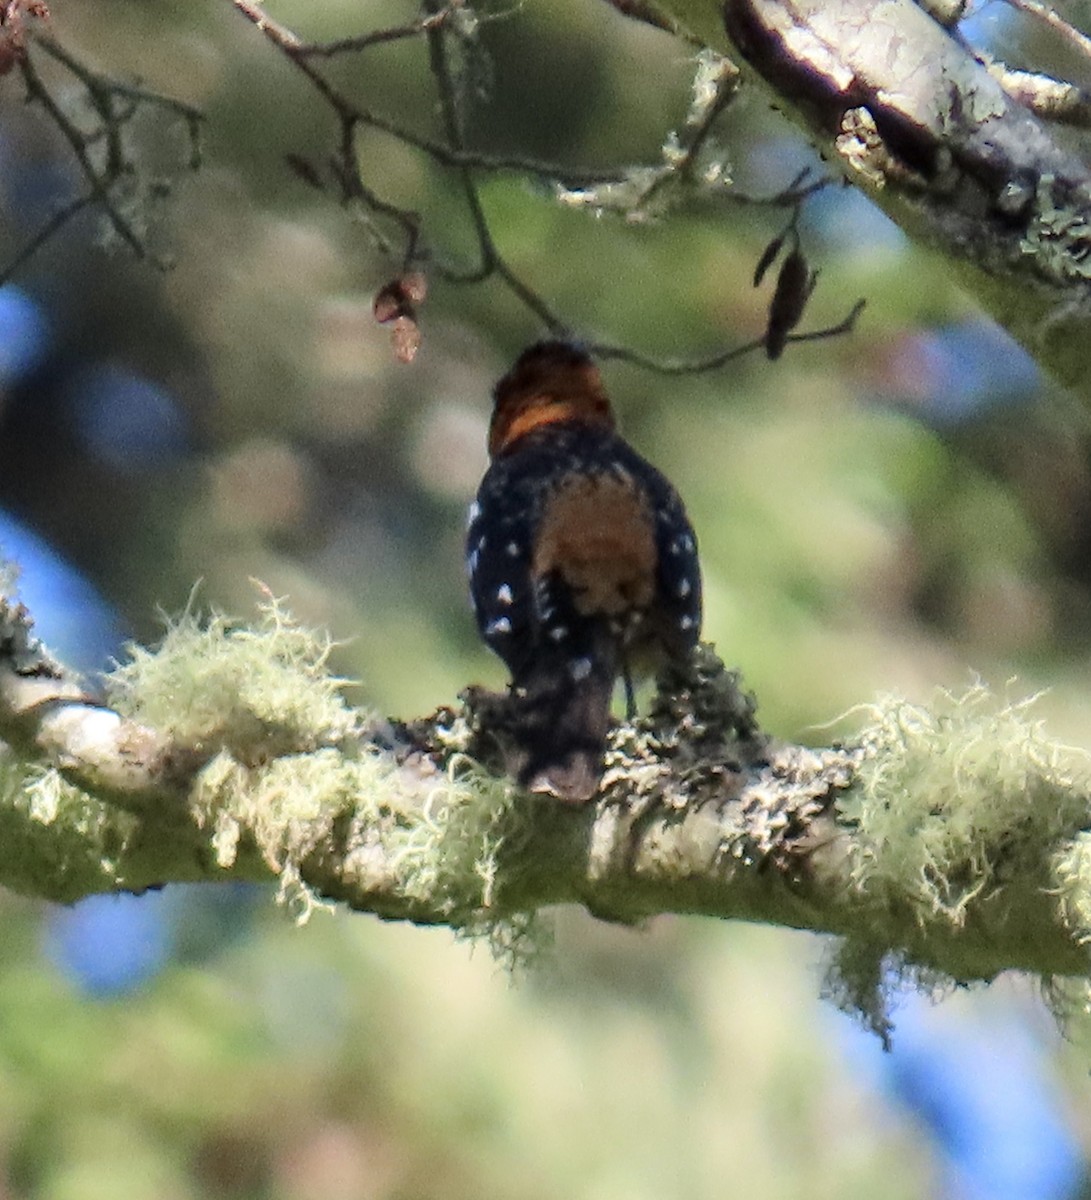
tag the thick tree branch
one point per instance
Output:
(910, 115)
(955, 841)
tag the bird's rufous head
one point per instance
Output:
(550, 382)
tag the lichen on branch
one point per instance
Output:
(964, 154)
(943, 843)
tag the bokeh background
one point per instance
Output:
(891, 511)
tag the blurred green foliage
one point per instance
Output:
(855, 539)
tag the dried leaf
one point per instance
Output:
(794, 286)
(396, 301)
(13, 17)
(415, 286)
(405, 339)
(389, 303)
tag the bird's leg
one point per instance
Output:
(630, 695)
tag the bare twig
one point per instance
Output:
(452, 125)
(379, 37)
(714, 86)
(800, 190)
(104, 87)
(110, 170)
(298, 51)
(101, 150)
(100, 182)
(648, 14)
(842, 327)
(451, 153)
(713, 362)
(48, 230)
(492, 262)
(645, 191)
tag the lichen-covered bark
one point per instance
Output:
(896, 101)
(953, 841)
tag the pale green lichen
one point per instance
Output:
(290, 780)
(441, 844)
(1072, 874)
(863, 980)
(290, 788)
(1068, 998)
(451, 856)
(452, 851)
(242, 689)
(9, 578)
(257, 690)
(950, 803)
(713, 73)
(49, 799)
(1058, 235)
(641, 193)
(59, 842)
(953, 797)
(43, 791)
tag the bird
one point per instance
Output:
(582, 565)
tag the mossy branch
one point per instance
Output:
(954, 841)
(967, 156)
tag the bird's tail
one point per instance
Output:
(563, 706)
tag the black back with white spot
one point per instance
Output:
(525, 620)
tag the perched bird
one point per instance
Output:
(580, 557)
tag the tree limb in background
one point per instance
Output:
(1046, 14)
(960, 150)
(632, 192)
(115, 184)
(895, 98)
(952, 842)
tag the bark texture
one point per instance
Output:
(950, 840)
(950, 145)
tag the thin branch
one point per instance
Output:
(795, 195)
(101, 151)
(648, 14)
(632, 194)
(99, 182)
(452, 125)
(1049, 16)
(842, 327)
(47, 231)
(445, 155)
(530, 298)
(380, 37)
(451, 153)
(714, 86)
(713, 362)
(492, 262)
(97, 84)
